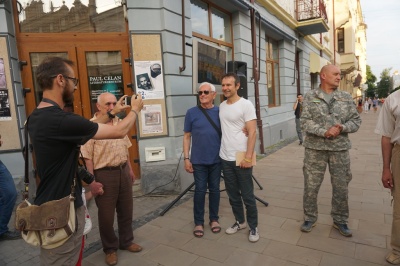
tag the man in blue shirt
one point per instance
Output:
(204, 161)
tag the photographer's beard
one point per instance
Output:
(68, 95)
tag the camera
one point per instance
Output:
(128, 100)
(84, 174)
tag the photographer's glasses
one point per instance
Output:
(205, 92)
(74, 80)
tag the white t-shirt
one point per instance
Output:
(233, 118)
(388, 124)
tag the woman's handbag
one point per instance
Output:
(49, 225)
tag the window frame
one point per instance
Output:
(212, 41)
(210, 38)
(340, 40)
(272, 64)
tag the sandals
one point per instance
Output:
(199, 232)
(215, 229)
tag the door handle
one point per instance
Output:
(25, 91)
(22, 64)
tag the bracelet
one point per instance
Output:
(247, 160)
(186, 158)
(134, 112)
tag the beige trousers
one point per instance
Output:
(395, 166)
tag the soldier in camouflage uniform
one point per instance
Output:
(328, 116)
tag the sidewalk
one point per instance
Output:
(168, 240)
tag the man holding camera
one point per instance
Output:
(56, 136)
(109, 161)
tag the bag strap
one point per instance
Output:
(25, 151)
(211, 121)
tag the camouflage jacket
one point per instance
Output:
(318, 116)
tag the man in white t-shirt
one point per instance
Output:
(388, 126)
(236, 114)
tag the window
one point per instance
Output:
(211, 23)
(340, 38)
(274, 94)
(212, 46)
(72, 16)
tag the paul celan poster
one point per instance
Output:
(149, 79)
(107, 83)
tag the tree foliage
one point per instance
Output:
(383, 86)
(371, 79)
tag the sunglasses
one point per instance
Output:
(205, 92)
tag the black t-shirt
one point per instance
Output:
(298, 110)
(56, 136)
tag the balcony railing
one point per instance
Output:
(311, 9)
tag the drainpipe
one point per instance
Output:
(256, 76)
(183, 67)
(334, 32)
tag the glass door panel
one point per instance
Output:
(36, 59)
(104, 71)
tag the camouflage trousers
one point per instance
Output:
(314, 168)
(395, 167)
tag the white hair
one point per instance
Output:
(209, 84)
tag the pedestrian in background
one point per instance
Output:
(203, 139)
(366, 106)
(388, 126)
(329, 115)
(298, 108)
(8, 196)
(375, 104)
(369, 103)
(237, 113)
(108, 160)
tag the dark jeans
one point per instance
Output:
(117, 197)
(206, 175)
(240, 189)
(8, 196)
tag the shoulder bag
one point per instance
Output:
(49, 225)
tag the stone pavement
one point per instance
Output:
(168, 240)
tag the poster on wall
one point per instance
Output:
(5, 113)
(109, 83)
(3, 83)
(149, 81)
(152, 119)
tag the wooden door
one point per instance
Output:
(100, 66)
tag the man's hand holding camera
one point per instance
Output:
(136, 103)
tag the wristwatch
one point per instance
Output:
(110, 115)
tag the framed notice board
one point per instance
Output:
(149, 82)
(8, 117)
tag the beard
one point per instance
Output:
(68, 96)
